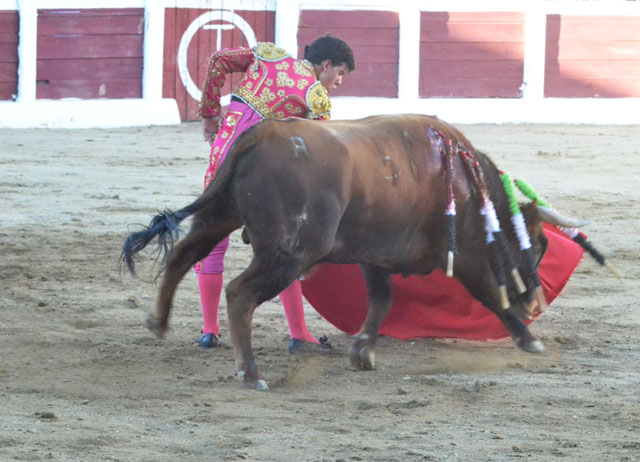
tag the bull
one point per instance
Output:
(369, 191)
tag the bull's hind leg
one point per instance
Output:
(362, 352)
(266, 277)
(193, 248)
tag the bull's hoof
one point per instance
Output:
(260, 385)
(158, 326)
(532, 346)
(362, 357)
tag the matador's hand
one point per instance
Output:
(210, 127)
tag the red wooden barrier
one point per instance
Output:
(92, 53)
(200, 48)
(590, 56)
(9, 22)
(478, 54)
(373, 37)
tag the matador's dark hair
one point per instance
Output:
(330, 47)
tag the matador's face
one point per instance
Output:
(331, 76)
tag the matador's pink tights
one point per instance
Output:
(210, 285)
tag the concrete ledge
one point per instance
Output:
(89, 113)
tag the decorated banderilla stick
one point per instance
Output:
(499, 255)
(450, 212)
(517, 219)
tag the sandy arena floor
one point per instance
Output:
(82, 379)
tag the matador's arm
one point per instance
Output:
(221, 63)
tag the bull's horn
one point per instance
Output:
(554, 218)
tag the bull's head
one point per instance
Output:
(535, 215)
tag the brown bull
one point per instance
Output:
(369, 191)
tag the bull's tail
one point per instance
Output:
(165, 226)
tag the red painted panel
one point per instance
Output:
(181, 96)
(470, 88)
(8, 38)
(202, 45)
(567, 88)
(460, 51)
(8, 72)
(381, 37)
(90, 46)
(604, 49)
(91, 25)
(90, 53)
(593, 28)
(452, 70)
(471, 54)
(89, 89)
(71, 69)
(9, 53)
(373, 37)
(381, 81)
(596, 69)
(335, 19)
(471, 32)
(9, 22)
(8, 90)
(169, 54)
(487, 17)
(590, 56)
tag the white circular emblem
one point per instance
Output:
(199, 22)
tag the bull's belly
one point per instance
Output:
(393, 254)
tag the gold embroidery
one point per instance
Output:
(269, 82)
(302, 68)
(267, 95)
(269, 52)
(302, 84)
(280, 115)
(283, 66)
(231, 120)
(281, 93)
(254, 101)
(283, 80)
(318, 100)
(217, 151)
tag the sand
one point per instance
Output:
(82, 379)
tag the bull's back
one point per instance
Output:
(383, 176)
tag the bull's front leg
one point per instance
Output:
(362, 352)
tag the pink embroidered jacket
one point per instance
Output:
(275, 85)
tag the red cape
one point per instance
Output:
(433, 305)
